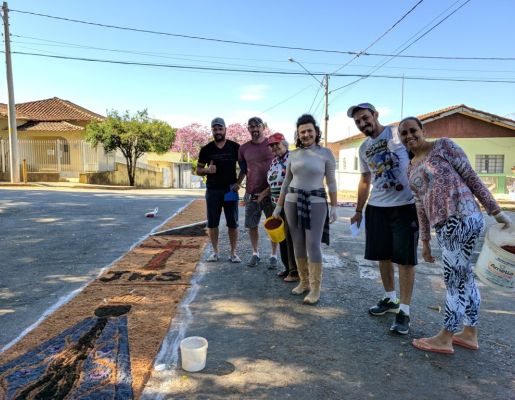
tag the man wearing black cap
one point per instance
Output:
(391, 223)
(255, 158)
(217, 161)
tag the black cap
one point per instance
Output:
(255, 121)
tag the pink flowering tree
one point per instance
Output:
(189, 140)
(240, 134)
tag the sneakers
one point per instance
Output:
(254, 261)
(212, 258)
(385, 305)
(272, 263)
(401, 323)
(235, 259)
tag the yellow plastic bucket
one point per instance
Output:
(277, 234)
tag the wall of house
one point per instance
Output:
(490, 146)
(119, 177)
(463, 126)
(347, 176)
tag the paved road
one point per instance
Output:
(54, 241)
(265, 344)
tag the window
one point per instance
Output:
(344, 164)
(355, 163)
(490, 164)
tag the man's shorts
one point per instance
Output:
(254, 208)
(215, 202)
(392, 234)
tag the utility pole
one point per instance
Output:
(325, 84)
(326, 89)
(11, 107)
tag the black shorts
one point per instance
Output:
(215, 202)
(392, 234)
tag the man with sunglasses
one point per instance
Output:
(255, 158)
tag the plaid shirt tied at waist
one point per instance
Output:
(304, 209)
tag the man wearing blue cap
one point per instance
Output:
(391, 223)
(217, 161)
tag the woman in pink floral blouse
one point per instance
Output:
(445, 188)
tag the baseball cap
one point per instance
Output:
(361, 106)
(255, 121)
(275, 138)
(218, 121)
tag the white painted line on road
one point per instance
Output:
(65, 299)
(166, 362)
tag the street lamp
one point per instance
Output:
(325, 84)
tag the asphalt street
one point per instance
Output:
(265, 344)
(55, 241)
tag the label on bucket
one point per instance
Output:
(498, 272)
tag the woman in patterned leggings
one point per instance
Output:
(445, 186)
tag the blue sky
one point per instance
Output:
(479, 29)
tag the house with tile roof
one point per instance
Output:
(487, 139)
(50, 136)
(51, 140)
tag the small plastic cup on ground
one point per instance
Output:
(193, 353)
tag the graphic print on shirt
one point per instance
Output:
(385, 165)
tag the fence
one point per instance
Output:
(67, 157)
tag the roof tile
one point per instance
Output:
(54, 109)
(58, 126)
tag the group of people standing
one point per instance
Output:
(408, 185)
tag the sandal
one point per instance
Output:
(291, 278)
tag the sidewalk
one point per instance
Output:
(265, 344)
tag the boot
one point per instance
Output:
(302, 268)
(315, 279)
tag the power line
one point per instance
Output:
(285, 100)
(179, 56)
(268, 72)
(405, 48)
(381, 36)
(125, 28)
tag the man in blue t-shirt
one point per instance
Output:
(217, 161)
(391, 223)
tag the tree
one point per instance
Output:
(190, 139)
(238, 133)
(133, 135)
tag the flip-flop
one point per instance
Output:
(421, 344)
(460, 342)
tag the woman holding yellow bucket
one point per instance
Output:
(276, 173)
(445, 187)
(304, 199)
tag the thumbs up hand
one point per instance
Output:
(211, 169)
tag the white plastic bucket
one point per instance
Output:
(496, 266)
(193, 353)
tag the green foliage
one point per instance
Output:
(133, 135)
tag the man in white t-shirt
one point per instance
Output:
(391, 223)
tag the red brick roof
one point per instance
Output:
(460, 108)
(57, 126)
(54, 109)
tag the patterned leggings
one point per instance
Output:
(457, 237)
